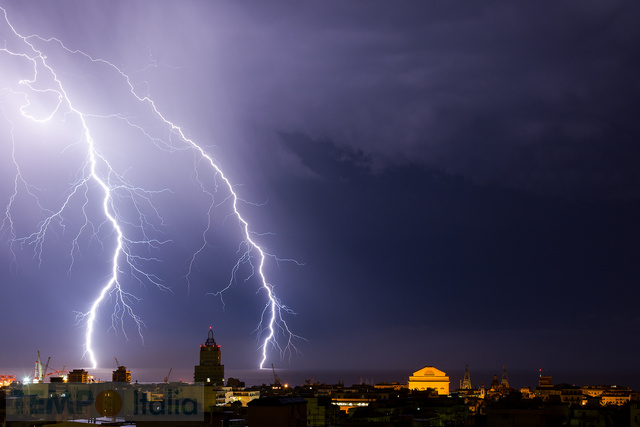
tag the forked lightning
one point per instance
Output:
(99, 184)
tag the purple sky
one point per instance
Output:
(461, 183)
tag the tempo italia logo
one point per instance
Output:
(108, 403)
(160, 402)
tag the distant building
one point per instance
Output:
(6, 380)
(394, 386)
(78, 376)
(245, 396)
(545, 381)
(466, 383)
(505, 377)
(615, 396)
(430, 377)
(321, 411)
(121, 375)
(209, 371)
(235, 383)
(495, 384)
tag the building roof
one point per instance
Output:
(429, 371)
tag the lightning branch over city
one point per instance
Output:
(101, 202)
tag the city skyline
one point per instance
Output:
(456, 186)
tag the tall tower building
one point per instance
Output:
(466, 383)
(505, 378)
(209, 371)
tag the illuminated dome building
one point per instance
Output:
(209, 371)
(495, 384)
(429, 377)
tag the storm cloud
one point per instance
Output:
(450, 174)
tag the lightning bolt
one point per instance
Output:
(109, 205)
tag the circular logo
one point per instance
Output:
(108, 403)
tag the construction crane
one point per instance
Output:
(40, 372)
(59, 371)
(117, 364)
(166, 379)
(44, 371)
(275, 376)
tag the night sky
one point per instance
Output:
(458, 182)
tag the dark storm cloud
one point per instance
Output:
(430, 163)
(532, 96)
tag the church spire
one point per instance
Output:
(466, 384)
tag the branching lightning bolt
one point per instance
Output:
(98, 179)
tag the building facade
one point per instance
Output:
(429, 378)
(121, 375)
(78, 376)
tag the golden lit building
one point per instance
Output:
(245, 396)
(78, 376)
(121, 375)
(6, 380)
(429, 377)
(615, 396)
